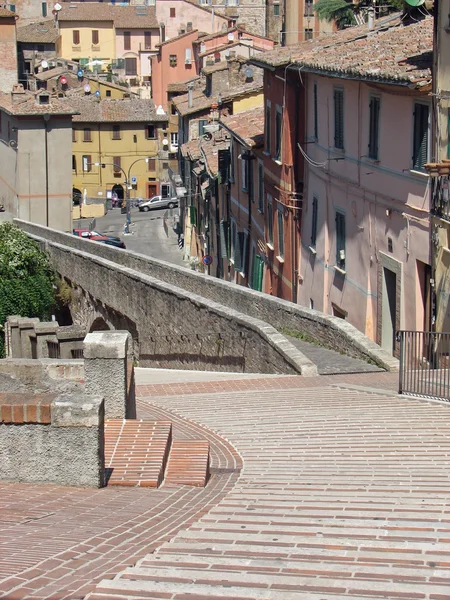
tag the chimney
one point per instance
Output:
(18, 93)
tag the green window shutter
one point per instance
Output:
(224, 233)
(238, 253)
(339, 119)
(420, 149)
(257, 274)
(193, 215)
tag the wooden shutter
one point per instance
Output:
(339, 119)
(87, 134)
(76, 37)
(127, 40)
(95, 37)
(152, 164)
(116, 164)
(374, 120)
(147, 40)
(420, 150)
(116, 132)
(130, 66)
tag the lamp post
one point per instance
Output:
(127, 186)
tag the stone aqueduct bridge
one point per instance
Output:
(179, 318)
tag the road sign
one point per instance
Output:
(207, 259)
(133, 180)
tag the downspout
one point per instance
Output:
(46, 120)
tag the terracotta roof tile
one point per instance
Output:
(248, 125)
(393, 52)
(4, 12)
(43, 32)
(206, 151)
(181, 86)
(26, 104)
(93, 110)
(176, 38)
(124, 17)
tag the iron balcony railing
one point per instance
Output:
(424, 364)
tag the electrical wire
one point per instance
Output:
(312, 162)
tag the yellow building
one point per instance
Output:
(111, 140)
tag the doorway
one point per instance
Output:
(117, 190)
(152, 189)
(388, 310)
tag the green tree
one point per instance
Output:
(339, 11)
(26, 278)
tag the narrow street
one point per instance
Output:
(147, 232)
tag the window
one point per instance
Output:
(257, 271)
(340, 240)
(74, 162)
(374, 126)
(87, 134)
(276, 9)
(173, 60)
(201, 126)
(269, 220)
(233, 240)
(76, 37)
(116, 132)
(44, 9)
(250, 181)
(188, 57)
(108, 93)
(241, 253)
(339, 119)
(127, 40)
(74, 135)
(87, 163)
(420, 136)
(116, 165)
(12, 7)
(152, 164)
(278, 132)
(130, 66)
(244, 171)
(147, 40)
(150, 132)
(172, 12)
(316, 114)
(165, 190)
(174, 139)
(232, 165)
(95, 37)
(267, 126)
(280, 215)
(308, 8)
(314, 222)
(260, 187)
(308, 34)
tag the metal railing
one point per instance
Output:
(424, 364)
(53, 350)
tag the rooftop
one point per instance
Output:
(247, 125)
(5, 13)
(129, 17)
(42, 32)
(92, 110)
(176, 38)
(200, 101)
(25, 103)
(181, 86)
(392, 53)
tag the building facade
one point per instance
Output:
(8, 50)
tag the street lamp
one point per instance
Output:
(127, 186)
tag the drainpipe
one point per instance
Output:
(46, 120)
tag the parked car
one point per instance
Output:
(86, 233)
(97, 237)
(158, 202)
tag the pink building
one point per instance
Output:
(365, 251)
(179, 16)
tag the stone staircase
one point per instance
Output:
(142, 453)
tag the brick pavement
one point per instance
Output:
(343, 493)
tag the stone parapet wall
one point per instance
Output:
(329, 331)
(48, 439)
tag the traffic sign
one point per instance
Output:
(207, 259)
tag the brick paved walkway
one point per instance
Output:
(343, 493)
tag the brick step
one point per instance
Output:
(136, 451)
(188, 463)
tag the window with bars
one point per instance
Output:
(315, 204)
(269, 220)
(127, 40)
(116, 132)
(278, 132)
(261, 187)
(338, 98)
(87, 134)
(316, 113)
(116, 166)
(280, 216)
(95, 38)
(374, 126)
(87, 163)
(421, 136)
(76, 37)
(147, 40)
(267, 126)
(340, 240)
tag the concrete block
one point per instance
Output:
(77, 410)
(26, 329)
(45, 332)
(106, 344)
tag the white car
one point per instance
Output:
(158, 202)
